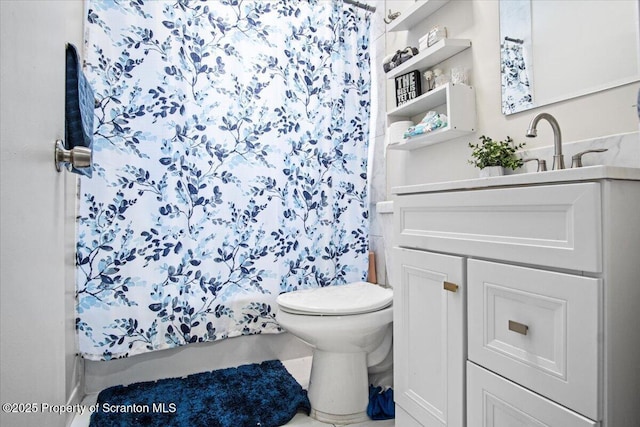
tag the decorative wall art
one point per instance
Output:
(407, 87)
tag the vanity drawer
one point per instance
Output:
(537, 328)
(553, 225)
(493, 401)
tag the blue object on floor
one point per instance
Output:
(381, 406)
(264, 395)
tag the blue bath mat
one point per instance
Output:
(257, 395)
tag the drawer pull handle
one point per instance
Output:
(518, 327)
(451, 287)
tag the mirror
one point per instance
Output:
(552, 51)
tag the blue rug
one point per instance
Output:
(257, 395)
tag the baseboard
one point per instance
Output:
(75, 398)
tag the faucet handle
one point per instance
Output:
(576, 159)
(542, 164)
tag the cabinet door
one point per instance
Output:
(429, 330)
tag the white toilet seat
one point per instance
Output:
(340, 300)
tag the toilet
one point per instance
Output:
(349, 327)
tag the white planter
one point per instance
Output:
(491, 171)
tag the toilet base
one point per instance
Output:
(338, 387)
(339, 419)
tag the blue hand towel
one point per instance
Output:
(79, 106)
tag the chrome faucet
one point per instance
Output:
(532, 132)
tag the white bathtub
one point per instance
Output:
(193, 358)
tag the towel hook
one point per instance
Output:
(79, 157)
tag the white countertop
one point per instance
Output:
(590, 173)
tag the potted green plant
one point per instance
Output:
(492, 157)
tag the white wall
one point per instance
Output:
(604, 113)
(377, 169)
(37, 352)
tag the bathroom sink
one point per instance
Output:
(588, 173)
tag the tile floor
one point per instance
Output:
(298, 368)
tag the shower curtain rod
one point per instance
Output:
(510, 39)
(364, 6)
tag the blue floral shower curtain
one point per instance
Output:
(230, 160)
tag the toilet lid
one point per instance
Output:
(353, 298)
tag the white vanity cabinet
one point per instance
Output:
(548, 291)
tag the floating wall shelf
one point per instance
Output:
(459, 103)
(431, 138)
(415, 14)
(422, 104)
(442, 50)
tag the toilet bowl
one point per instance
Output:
(343, 324)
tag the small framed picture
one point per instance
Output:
(407, 87)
